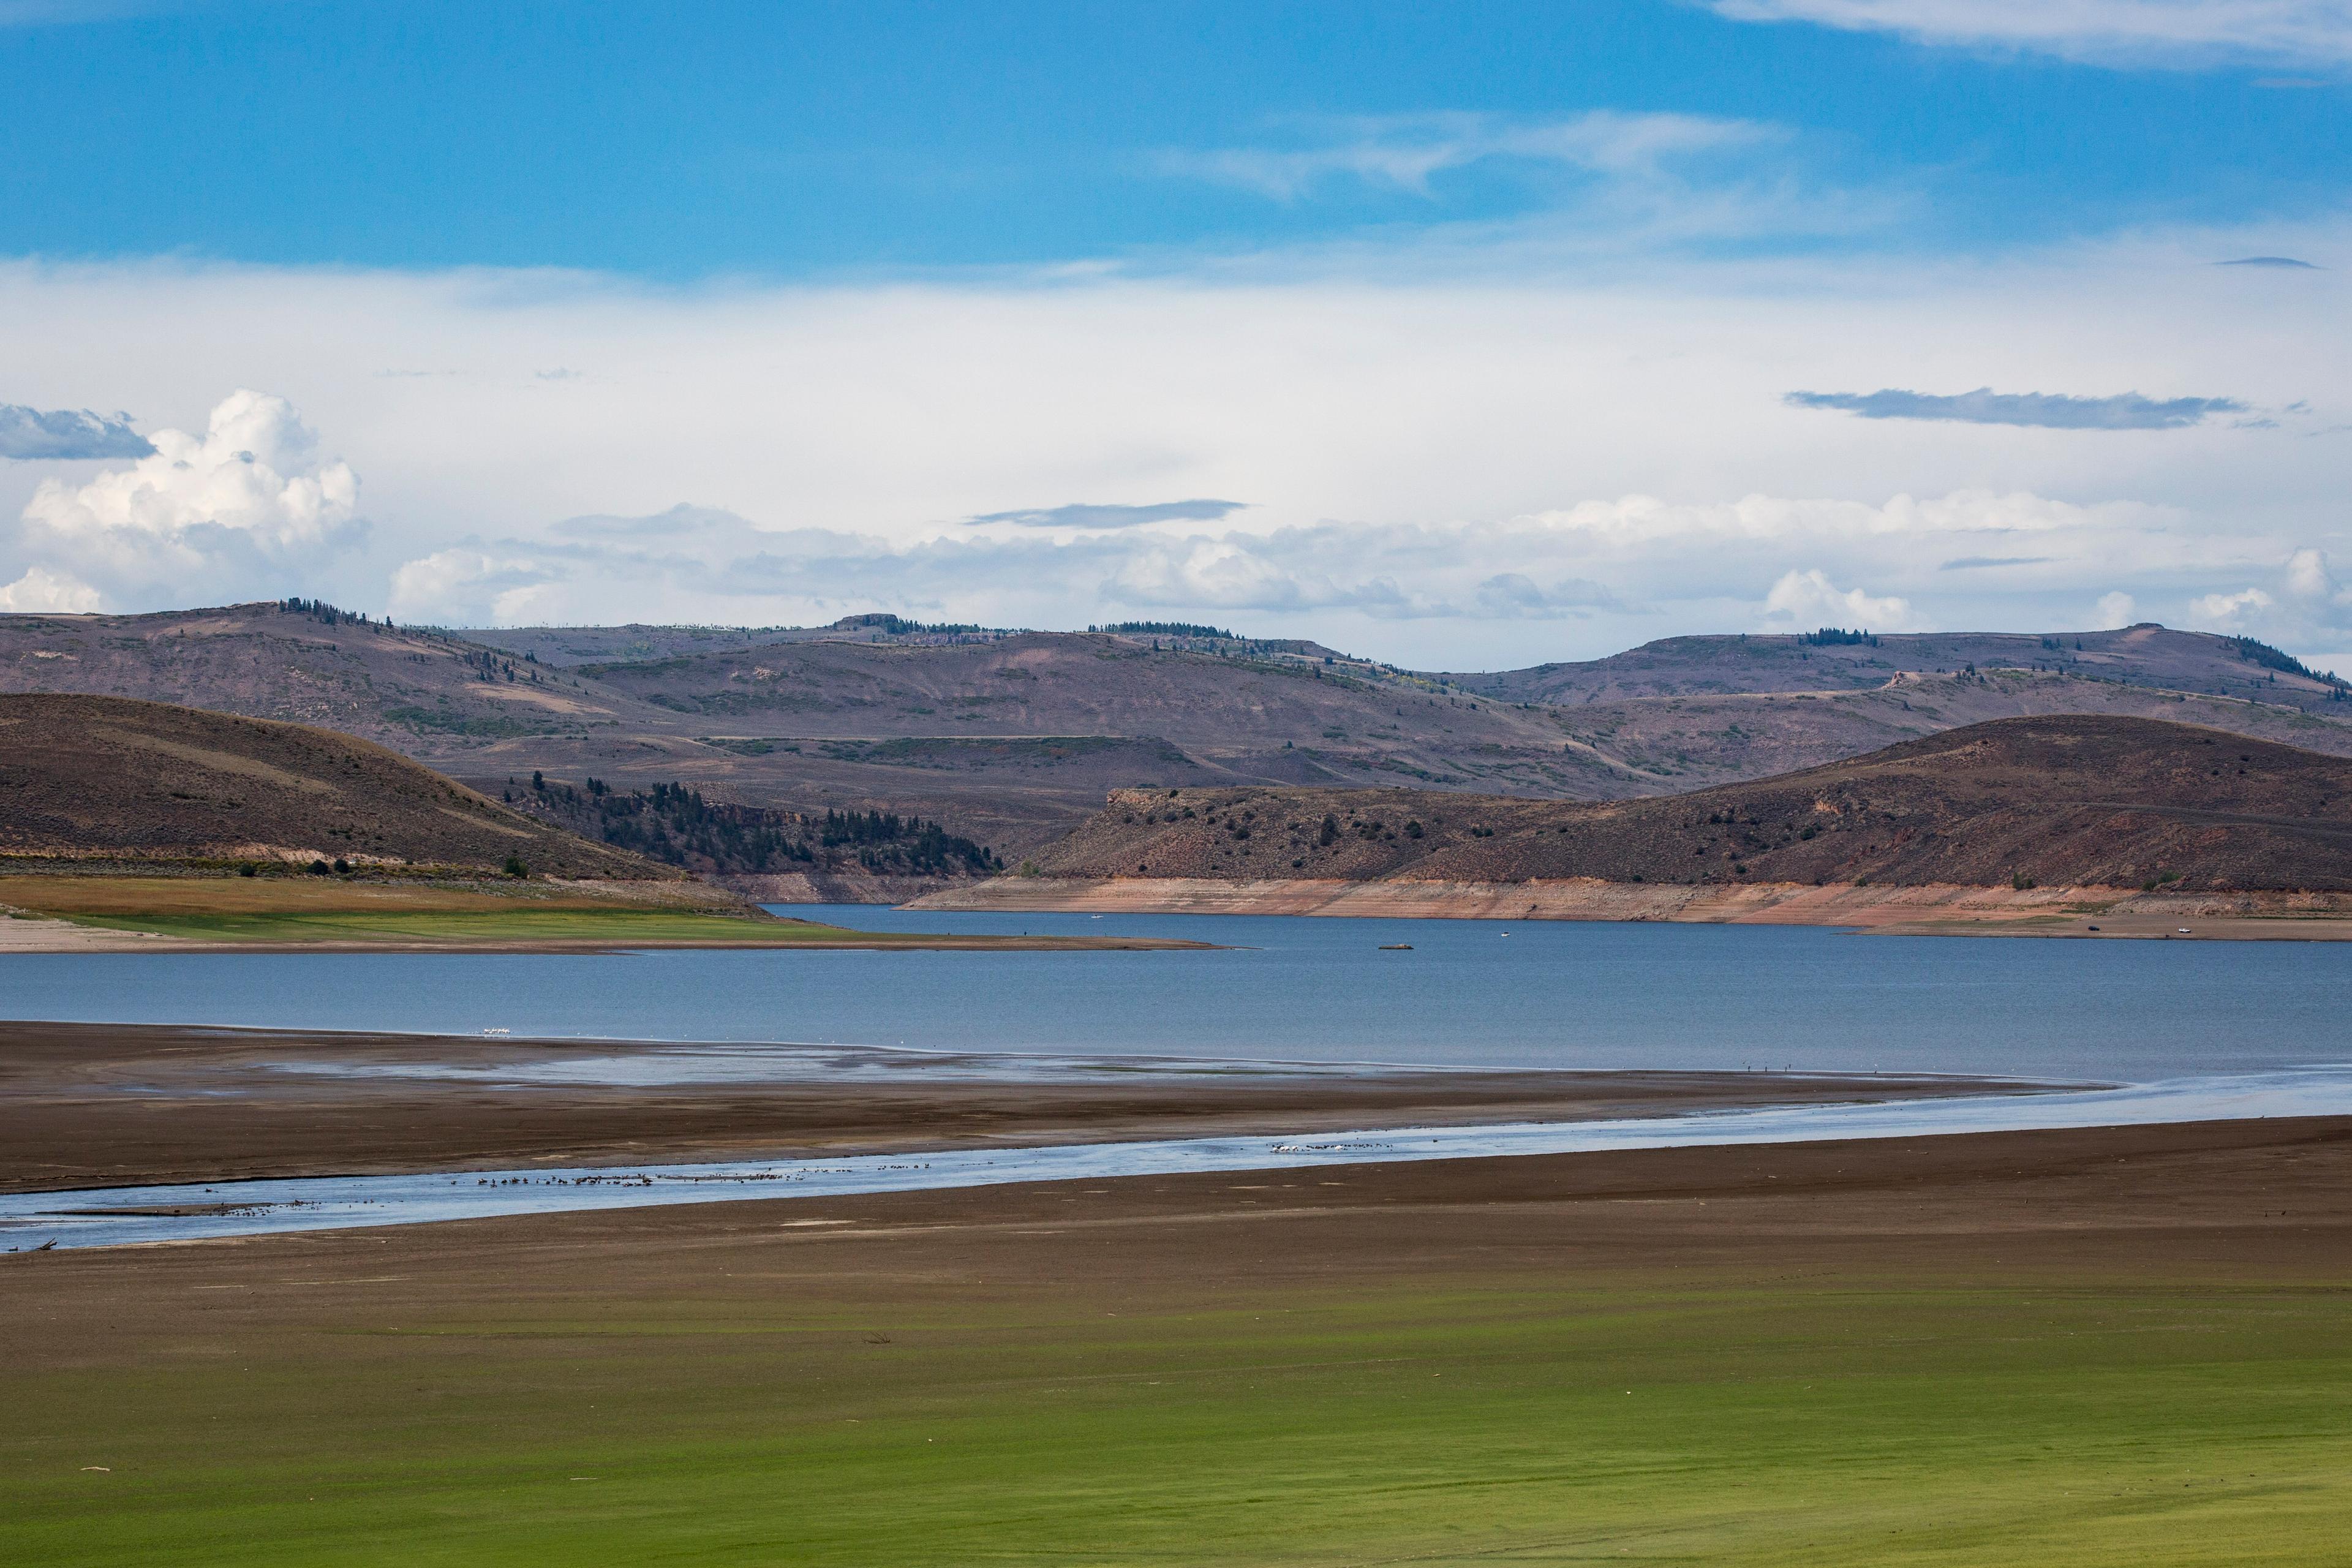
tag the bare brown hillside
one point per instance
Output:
(108, 779)
(1012, 739)
(2064, 801)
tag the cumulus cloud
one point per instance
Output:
(1809, 599)
(2229, 612)
(42, 589)
(467, 586)
(249, 494)
(2050, 411)
(2115, 610)
(2108, 32)
(1414, 440)
(67, 434)
(1081, 514)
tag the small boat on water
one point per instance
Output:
(1396, 947)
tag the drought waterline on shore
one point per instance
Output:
(129, 1215)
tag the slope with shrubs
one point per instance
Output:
(95, 781)
(2061, 800)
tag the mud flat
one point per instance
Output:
(1931, 910)
(90, 1105)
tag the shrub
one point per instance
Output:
(515, 868)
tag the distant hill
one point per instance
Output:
(2068, 800)
(1011, 739)
(2147, 656)
(102, 778)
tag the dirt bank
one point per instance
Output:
(1917, 910)
(827, 888)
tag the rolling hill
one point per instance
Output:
(2146, 655)
(1012, 739)
(2070, 800)
(91, 781)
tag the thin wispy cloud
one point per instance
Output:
(2287, 263)
(1407, 153)
(2177, 33)
(1083, 515)
(31, 435)
(2034, 410)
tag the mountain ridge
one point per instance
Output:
(1012, 739)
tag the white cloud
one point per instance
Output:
(2116, 32)
(42, 589)
(2229, 612)
(249, 492)
(1809, 599)
(1405, 153)
(1442, 469)
(2115, 610)
(464, 587)
(2309, 578)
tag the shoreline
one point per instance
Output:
(1935, 909)
(99, 1105)
(221, 1210)
(34, 934)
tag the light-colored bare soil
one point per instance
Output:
(1925, 910)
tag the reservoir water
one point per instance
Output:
(1468, 993)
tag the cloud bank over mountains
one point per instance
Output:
(1439, 468)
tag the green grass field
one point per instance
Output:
(294, 911)
(1507, 1420)
(621, 927)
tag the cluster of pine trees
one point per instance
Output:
(328, 615)
(675, 824)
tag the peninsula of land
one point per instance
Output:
(144, 827)
(2056, 826)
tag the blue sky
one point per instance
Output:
(1500, 332)
(784, 140)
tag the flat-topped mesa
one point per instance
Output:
(2018, 804)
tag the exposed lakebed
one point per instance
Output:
(130, 1215)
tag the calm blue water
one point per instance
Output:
(1472, 993)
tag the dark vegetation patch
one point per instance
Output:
(678, 825)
